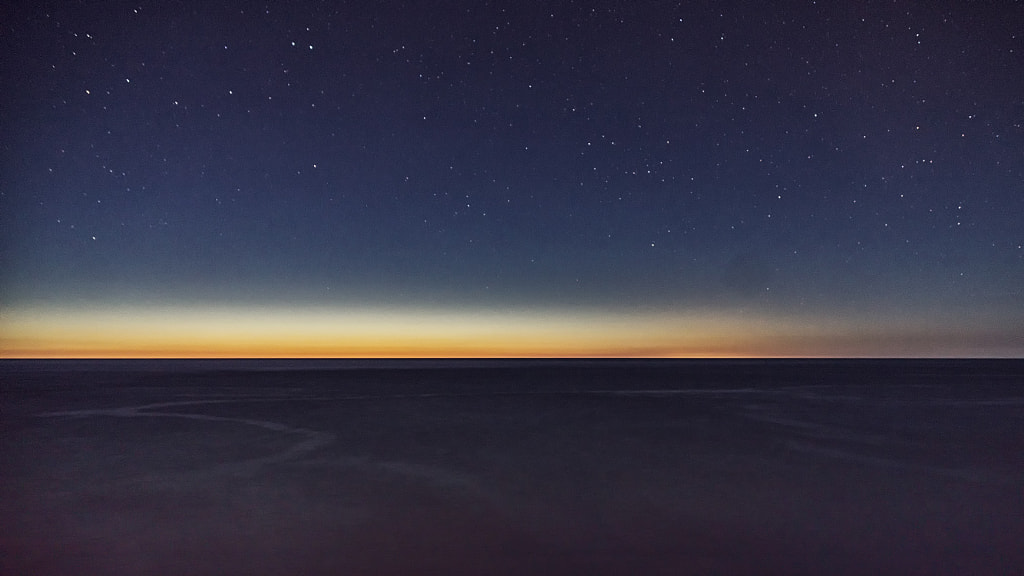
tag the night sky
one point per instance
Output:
(512, 178)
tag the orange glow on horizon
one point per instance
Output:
(265, 332)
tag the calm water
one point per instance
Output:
(596, 467)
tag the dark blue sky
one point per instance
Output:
(812, 158)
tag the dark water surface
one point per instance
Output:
(532, 467)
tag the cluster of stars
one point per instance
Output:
(583, 138)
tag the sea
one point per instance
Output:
(526, 467)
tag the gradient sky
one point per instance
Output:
(512, 178)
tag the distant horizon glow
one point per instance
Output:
(275, 331)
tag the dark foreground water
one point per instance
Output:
(145, 468)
